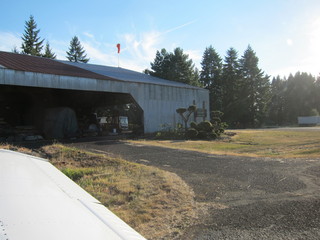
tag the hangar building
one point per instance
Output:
(30, 85)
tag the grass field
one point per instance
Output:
(279, 143)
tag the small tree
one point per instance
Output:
(185, 117)
(32, 44)
(48, 52)
(76, 52)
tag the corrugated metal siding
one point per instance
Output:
(158, 102)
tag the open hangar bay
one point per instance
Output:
(35, 91)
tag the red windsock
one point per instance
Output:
(118, 46)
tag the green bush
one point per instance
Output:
(203, 135)
(213, 135)
(206, 130)
(192, 108)
(167, 132)
(181, 110)
(215, 120)
(205, 126)
(191, 133)
(193, 125)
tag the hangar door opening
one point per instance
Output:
(59, 113)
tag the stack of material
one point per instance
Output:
(28, 133)
(17, 134)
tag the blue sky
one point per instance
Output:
(285, 34)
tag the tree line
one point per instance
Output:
(240, 89)
(32, 44)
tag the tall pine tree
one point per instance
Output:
(210, 76)
(230, 87)
(255, 89)
(300, 96)
(76, 52)
(276, 105)
(32, 44)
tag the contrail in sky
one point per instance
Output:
(178, 27)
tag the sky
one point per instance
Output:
(285, 34)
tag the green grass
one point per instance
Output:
(259, 143)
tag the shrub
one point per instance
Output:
(181, 110)
(203, 135)
(193, 125)
(167, 132)
(213, 135)
(191, 133)
(192, 108)
(215, 120)
(205, 126)
(207, 130)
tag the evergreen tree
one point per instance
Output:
(230, 88)
(174, 66)
(210, 76)
(48, 52)
(76, 52)
(195, 80)
(255, 89)
(276, 105)
(161, 64)
(32, 44)
(300, 96)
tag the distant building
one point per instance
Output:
(311, 120)
(30, 85)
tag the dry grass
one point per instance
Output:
(156, 203)
(303, 143)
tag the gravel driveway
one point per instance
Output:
(248, 198)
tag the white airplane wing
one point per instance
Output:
(39, 202)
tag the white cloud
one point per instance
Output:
(289, 42)
(9, 40)
(195, 55)
(99, 56)
(89, 35)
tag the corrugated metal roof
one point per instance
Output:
(23, 62)
(127, 75)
